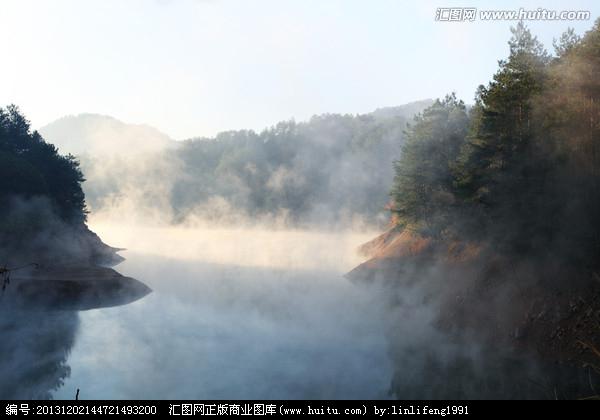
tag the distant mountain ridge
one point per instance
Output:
(92, 134)
(332, 170)
(95, 134)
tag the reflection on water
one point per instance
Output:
(33, 351)
(285, 324)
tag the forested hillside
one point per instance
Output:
(331, 171)
(521, 169)
(43, 209)
(494, 254)
(31, 167)
(328, 170)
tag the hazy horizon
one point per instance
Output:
(376, 200)
(143, 125)
(198, 67)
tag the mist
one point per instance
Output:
(234, 314)
(445, 248)
(246, 241)
(331, 172)
(34, 352)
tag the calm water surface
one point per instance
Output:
(233, 315)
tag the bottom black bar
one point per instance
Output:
(382, 409)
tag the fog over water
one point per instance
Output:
(234, 314)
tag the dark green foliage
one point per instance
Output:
(30, 167)
(331, 167)
(568, 115)
(524, 172)
(19, 177)
(424, 190)
(567, 41)
(500, 167)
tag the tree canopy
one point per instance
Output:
(30, 167)
(522, 168)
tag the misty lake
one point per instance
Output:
(233, 315)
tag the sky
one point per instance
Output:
(197, 67)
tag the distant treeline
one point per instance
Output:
(521, 168)
(330, 171)
(320, 171)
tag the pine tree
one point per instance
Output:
(423, 189)
(32, 167)
(497, 169)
